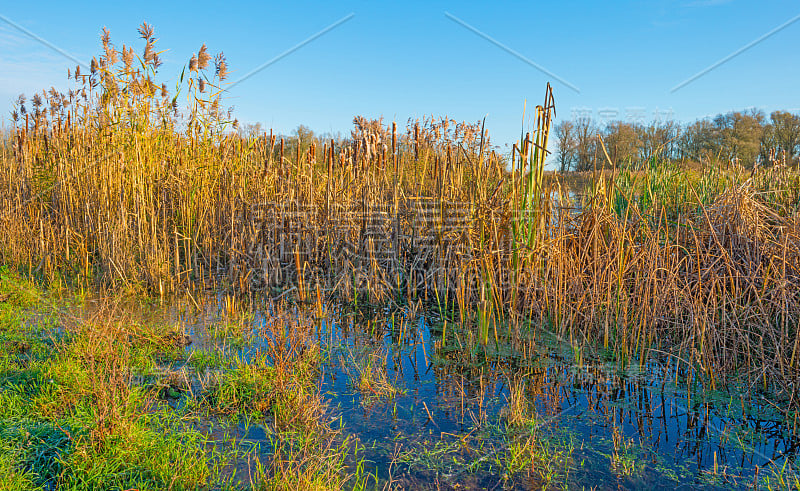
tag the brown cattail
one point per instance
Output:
(514, 156)
(329, 180)
(193, 64)
(416, 141)
(271, 145)
(268, 160)
(526, 146)
(394, 145)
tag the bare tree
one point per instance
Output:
(250, 130)
(697, 140)
(622, 142)
(585, 143)
(738, 136)
(658, 139)
(566, 142)
(783, 135)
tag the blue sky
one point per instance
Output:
(403, 60)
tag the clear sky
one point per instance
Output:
(466, 60)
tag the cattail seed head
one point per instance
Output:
(193, 64)
(201, 83)
(93, 65)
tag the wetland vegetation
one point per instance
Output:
(183, 306)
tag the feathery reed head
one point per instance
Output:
(146, 31)
(149, 53)
(221, 66)
(127, 58)
(203, 58)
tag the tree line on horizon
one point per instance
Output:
(747, 138)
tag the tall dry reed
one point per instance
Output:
(117, 182)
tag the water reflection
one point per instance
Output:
(632, 428)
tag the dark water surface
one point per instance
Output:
(597, 425)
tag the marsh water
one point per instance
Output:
(596, 424)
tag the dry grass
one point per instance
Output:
(368, 374)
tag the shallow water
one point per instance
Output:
(602, 427)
